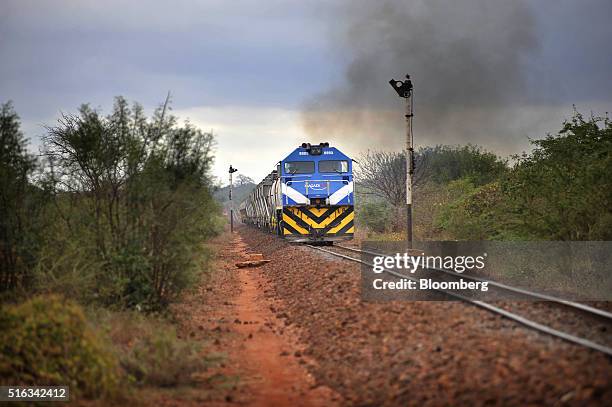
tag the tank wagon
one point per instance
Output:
(307, 198)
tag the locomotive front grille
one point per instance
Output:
(318, 223)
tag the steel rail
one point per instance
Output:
(500, 311)
(545, 297)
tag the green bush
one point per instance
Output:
(443, 164)
(474, 213)
(429, 199)
(561, 190)
(46, 341)
(376, 216)
(68, 266)
(131, 207)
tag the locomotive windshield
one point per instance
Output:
(299, 167)
(333, 166)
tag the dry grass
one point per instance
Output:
(149, 350)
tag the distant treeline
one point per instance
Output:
(113, 211)
(243, 185)
(561, 190)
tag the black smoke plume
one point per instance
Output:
(467, 60)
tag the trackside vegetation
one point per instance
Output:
(48, 340)
(112, 215)
(561, 190)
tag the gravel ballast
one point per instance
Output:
(419, 353)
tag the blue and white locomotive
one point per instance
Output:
(308, 198)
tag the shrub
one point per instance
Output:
(376, 216)
(132, 202)
(561, 190)
(443, 164)
(162, 359)
(474, 213)
(46, 341)
(429, 199)
(149, 349)
(68, 266)
(387, 236)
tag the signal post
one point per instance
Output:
(404, 90)
(232, 170)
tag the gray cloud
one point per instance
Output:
(57, 54)
(486, 71)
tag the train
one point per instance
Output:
(308, 198)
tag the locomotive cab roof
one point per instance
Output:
(310, 152)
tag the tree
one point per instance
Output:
(444, 164)
(133, 199)
(244, 180)
(383, 174)
(16, 211)
(563, 189)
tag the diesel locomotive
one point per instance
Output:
(307, 198)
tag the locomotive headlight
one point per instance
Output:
(316, 150)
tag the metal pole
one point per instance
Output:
(404, 90)
(231, 202)
(409, 167)
(231, 171)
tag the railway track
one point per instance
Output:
(521, 319)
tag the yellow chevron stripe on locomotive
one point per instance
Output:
(318, 222)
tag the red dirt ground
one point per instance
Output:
(296, 332)
(263, 353)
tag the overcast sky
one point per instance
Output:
(267, 75)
